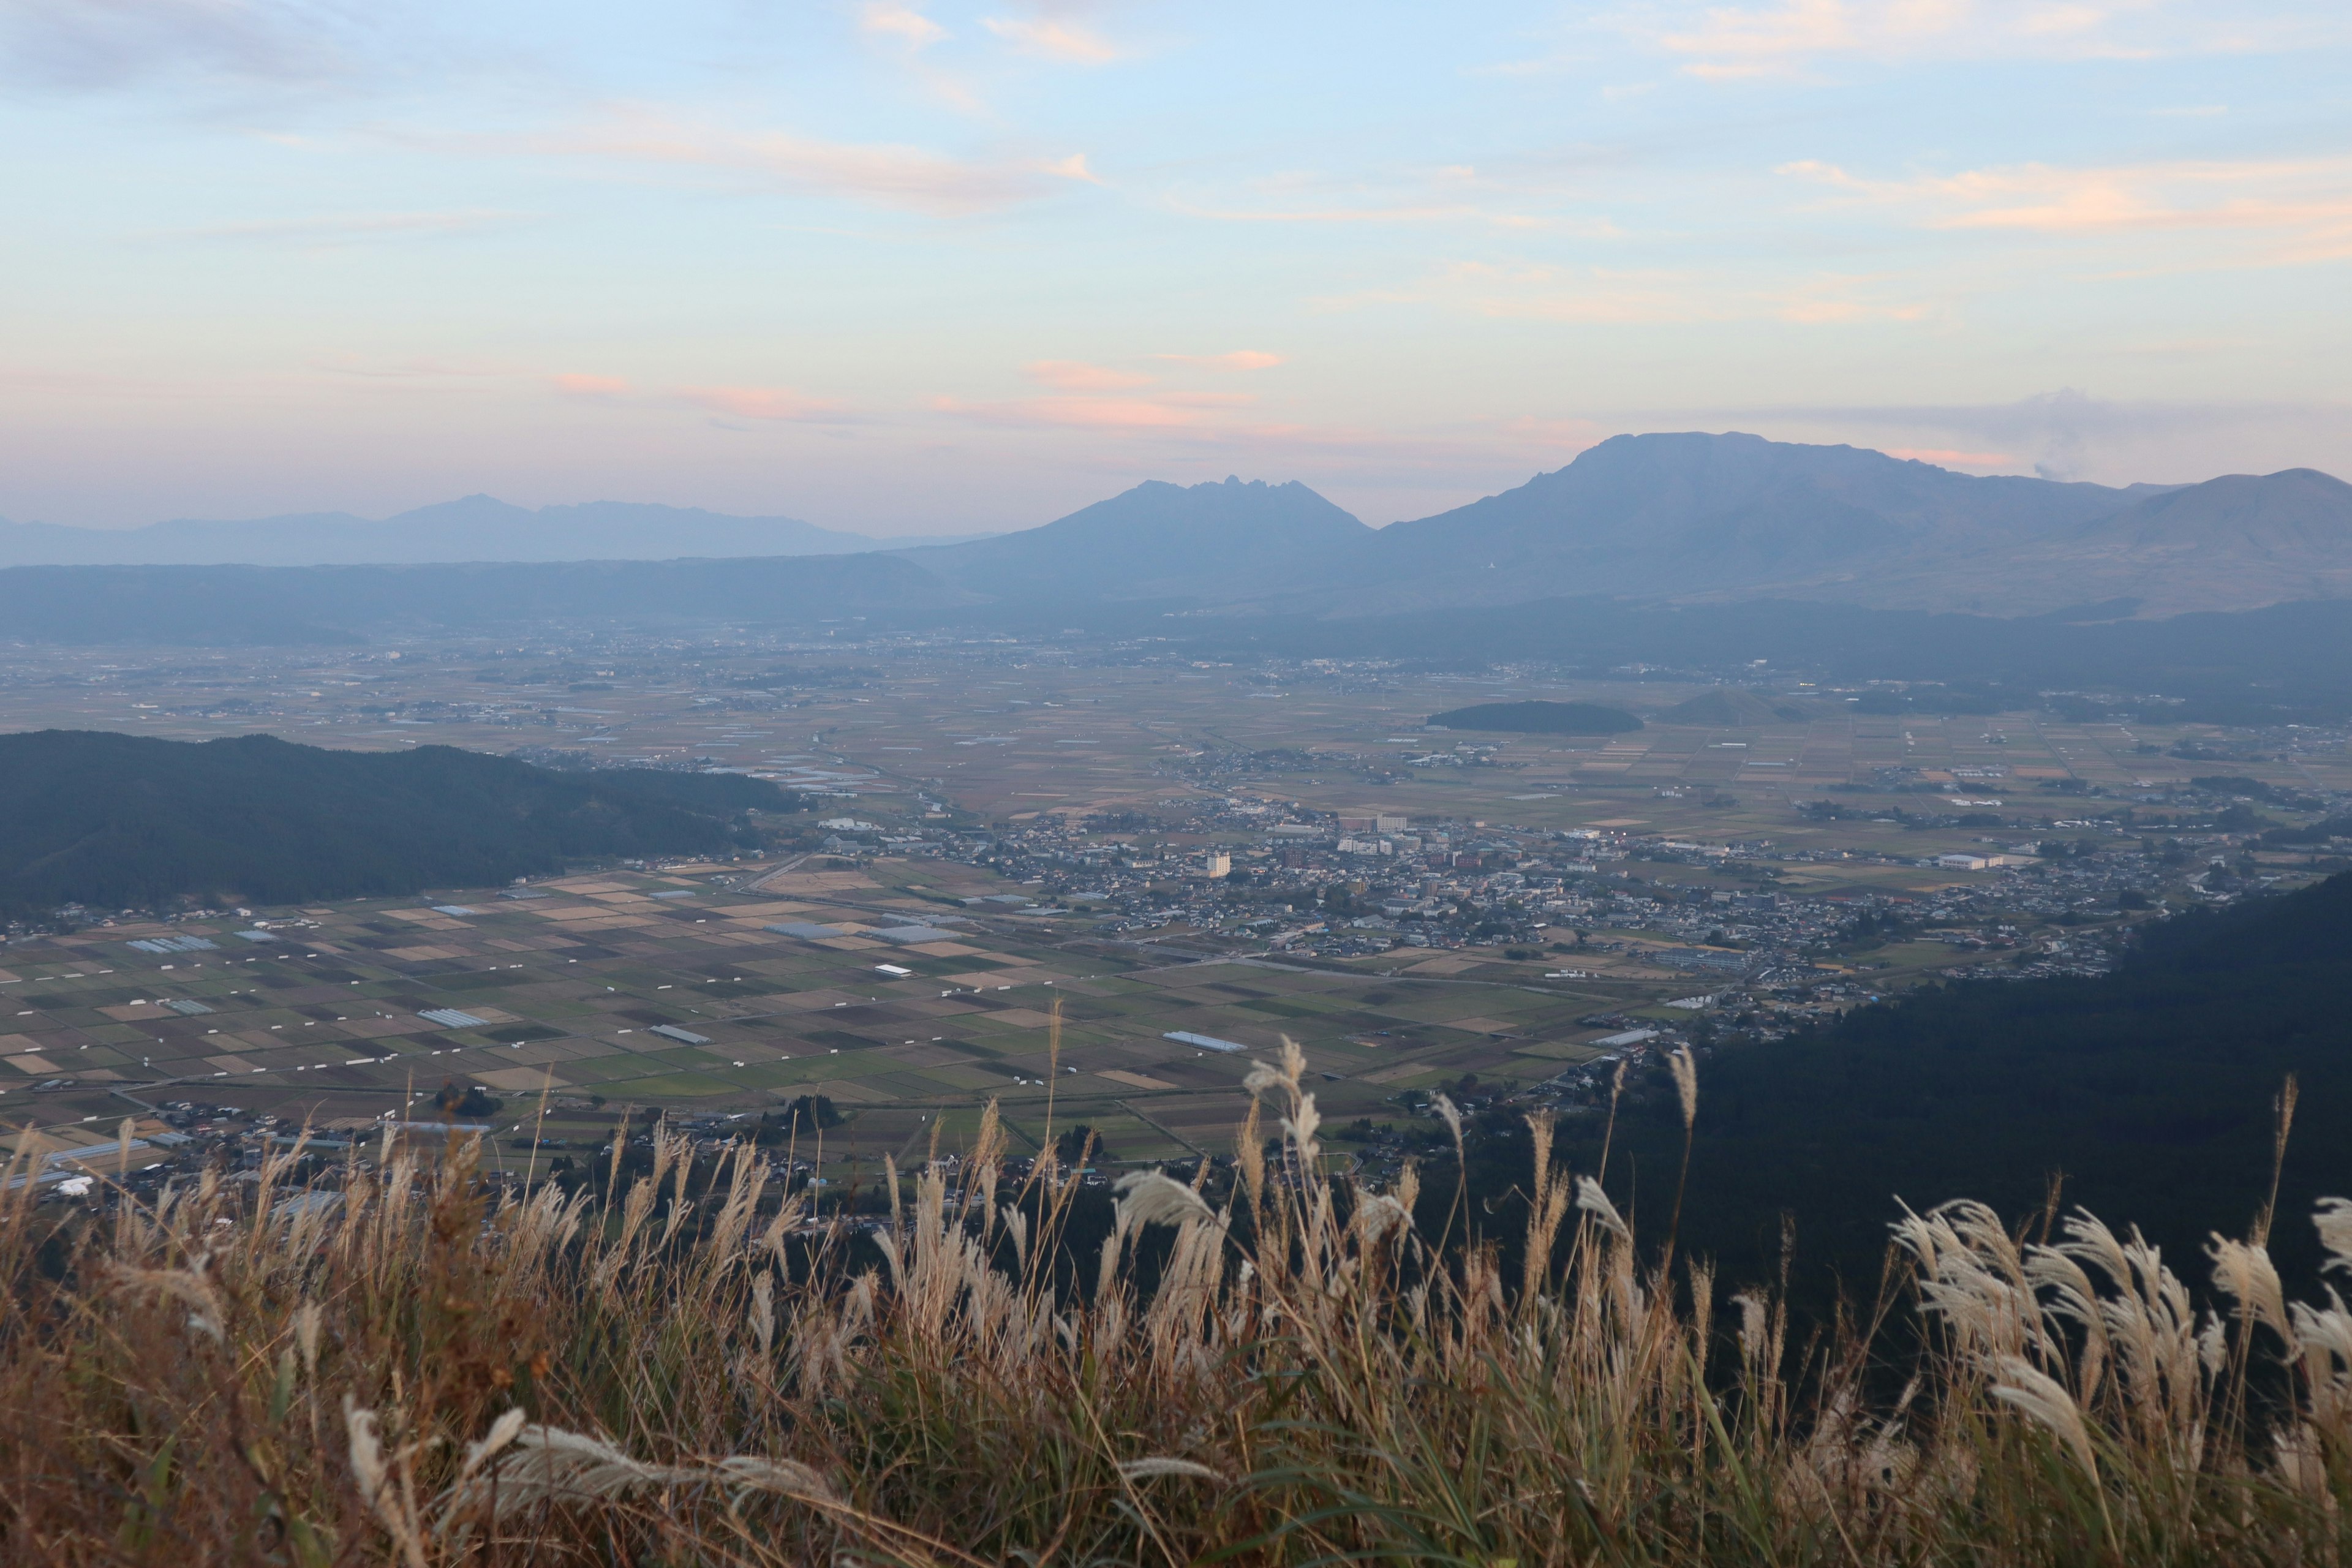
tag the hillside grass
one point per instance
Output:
(425, 1370)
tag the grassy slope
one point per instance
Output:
(421, 1372)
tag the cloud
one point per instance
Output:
(1240, 359)
(1075, 375)
(1401, 213)
(1731, 43)
(779, 403)
(2068, 434)
(1074, 167)
(903, 24)
(1059, 40)
(887, 175)
(1166, 412)
(98, 44)
(590, 386)
(1541, 291)
(420, 369)
(349, 228)
(1836, 302)
(2303, 208)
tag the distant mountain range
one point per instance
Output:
(1695, 518)
(476, 528)
(1660, 519)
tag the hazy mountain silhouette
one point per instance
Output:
(1676, 518)
(475, 528)
(2234, 542)
(1673, 515)
(1221, 542)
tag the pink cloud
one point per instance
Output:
(903, 23)
(1065, 41)
(1240, 359)
(885, 173)
(771, 402)
(575, 385)
(1084, 413)
(1076, 376)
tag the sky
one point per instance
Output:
(912, 266)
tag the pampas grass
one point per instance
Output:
(436, 1372)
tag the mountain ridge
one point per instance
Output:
(1670, 517)
(1694, 518)
(475, 528)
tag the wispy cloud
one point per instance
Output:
(1075, 376)
(771, 404)
(599, 387)
(2302, 208)
(1240, 359)
(1171, 411)
(900, 24)
(1402, 213)
(2062, 434)
(1729, 43)
(1545, 292)
(1454, 195)
(348, 228)
(885, 173)
(1599, 296)
(1054, 38)
(98, 44)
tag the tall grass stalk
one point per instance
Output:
(438, 1371)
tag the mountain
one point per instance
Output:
(1673, 516)
(1217, 541)
(2232, 543)
(124, 821)
(227, 607)
(477, 527)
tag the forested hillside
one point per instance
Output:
(2149, 1092)
(121, 821)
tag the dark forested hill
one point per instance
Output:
(121, 821)
(2150, 1092)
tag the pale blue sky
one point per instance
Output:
(915, 267)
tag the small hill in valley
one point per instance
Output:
(1730, 707)
(1537, 718)
(115, 822)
